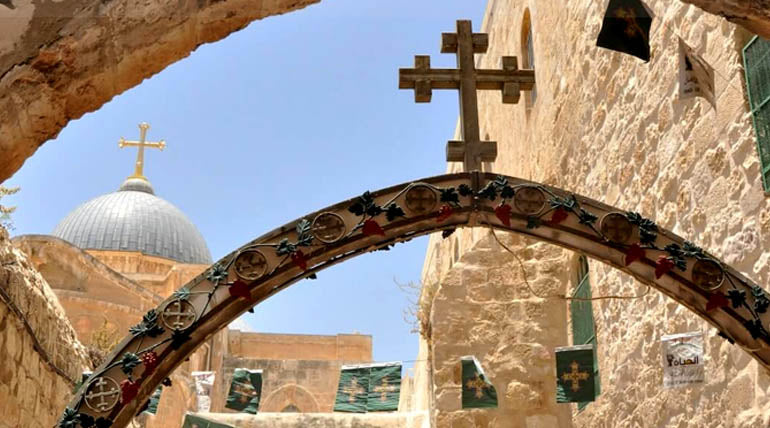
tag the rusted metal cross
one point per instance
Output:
(510, 80)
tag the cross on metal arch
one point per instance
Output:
(467, 79)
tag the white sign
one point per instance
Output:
(696, 76)
(683, 363)
(204, 382)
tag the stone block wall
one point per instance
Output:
(32, 394)
(611, 127)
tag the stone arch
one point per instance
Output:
(377, 220)
(289, 396)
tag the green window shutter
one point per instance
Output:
(756, 61)
(583, 329)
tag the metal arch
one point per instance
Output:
(380, 219)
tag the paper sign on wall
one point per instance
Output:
(682, 360)
(204, 382)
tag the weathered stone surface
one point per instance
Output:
(612, 128)
(752, 14)
(60, 60)
(31, 392)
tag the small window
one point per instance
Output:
(581, 311)
(528, 54)
(756, 60)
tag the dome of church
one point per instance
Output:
(134, 219)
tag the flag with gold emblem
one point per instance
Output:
(245, 391)
(353, 389)
(575, 376)
(194, 421)
(478, 391)
(626, 28)
(384, 387)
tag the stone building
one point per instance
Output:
(613, 128)
(600, 123)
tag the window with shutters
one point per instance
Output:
(756, 60)
(581, 312)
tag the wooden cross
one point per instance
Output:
(384, 389)
(510, 80)
(139, 169)
(478, 384)
(575, 376)
(352, 390)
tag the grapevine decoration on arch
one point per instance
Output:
(672, 257)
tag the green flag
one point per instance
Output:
(478, 391)
(353, 389)
(152, 407)
(384, 388)
(245, 391)
(575, 377)
(191, 421)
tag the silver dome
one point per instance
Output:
(134, 219)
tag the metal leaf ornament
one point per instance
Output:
(69, 419)
(86, 420)
(128, 389)
(149, 325)
(761, 301)
(103, 423)
(217, 274)
(634, 252)
(128, 362)
(737, 298)
(503, 213)
(648, 230)
(393, 211)
(755, 328)
(182, 294)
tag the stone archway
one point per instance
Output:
(378, 220)
(290, 398)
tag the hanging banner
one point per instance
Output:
(245, 391)
(478, 391)
(152, 406)
(575, 382)
(696, 76)
(682, 360)
(192, 421)
(384, 388)
(626, 28)
(204, 383)
(353, 390)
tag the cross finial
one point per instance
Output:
(139, 169)
(510, 80)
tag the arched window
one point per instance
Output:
(582, 315)
(528, 55)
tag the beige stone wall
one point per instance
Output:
(612, 128)
(32, 393)
(319, 420)
(301, 370)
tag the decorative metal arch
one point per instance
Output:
(378, 220)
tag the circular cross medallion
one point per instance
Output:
(529, 200)
(421, 199)
(328, 227)
(102, 394)
(707, 274)
(250, 265)
(178, 314)
(617, 228)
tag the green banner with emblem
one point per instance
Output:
(353, 390)
(152, 406)
(384, 388)
(478, 391)
(192, 421)
(575, 376)
(245, 391)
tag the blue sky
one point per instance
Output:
(293, 113)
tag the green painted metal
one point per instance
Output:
(756, 61)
